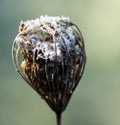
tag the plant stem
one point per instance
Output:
(58, 118)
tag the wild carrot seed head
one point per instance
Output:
(49, 54)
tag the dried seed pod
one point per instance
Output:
(49, 54)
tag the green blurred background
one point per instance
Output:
(96, 100)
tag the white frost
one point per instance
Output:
(46, 33)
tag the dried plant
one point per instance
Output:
(49, 54)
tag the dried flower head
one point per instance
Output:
(49, 54)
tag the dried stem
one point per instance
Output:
(58, 118)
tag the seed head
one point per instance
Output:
(49, 54)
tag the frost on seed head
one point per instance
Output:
(41, 34)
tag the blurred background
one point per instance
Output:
(96, 100)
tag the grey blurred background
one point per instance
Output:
(96, 100)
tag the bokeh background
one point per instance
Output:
(96, 100)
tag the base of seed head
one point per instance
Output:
(53, 58)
